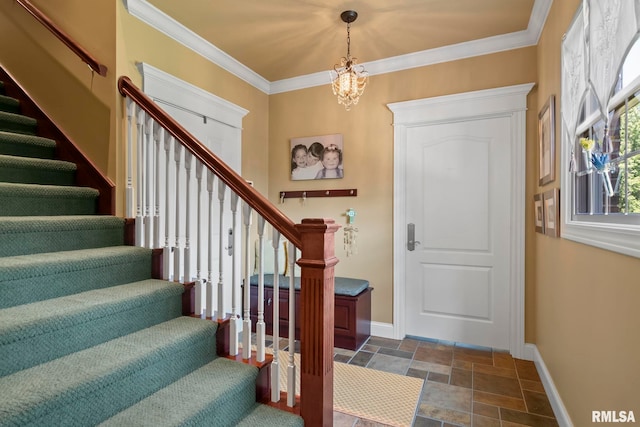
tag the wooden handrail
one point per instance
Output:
(235, 182)
(86, 57)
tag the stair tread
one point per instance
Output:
(83, 378)
(215, 390)
(9, 104)
(39, 318)
(47, 191)
(18, 144)
(263, 415)
(16, 224)
(34, 163)
(19, 123)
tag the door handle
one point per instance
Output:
(411, 237)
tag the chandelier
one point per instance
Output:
(350, 78)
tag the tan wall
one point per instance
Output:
(79, 102)
(585, 299)
(137, 42)
(368, 152)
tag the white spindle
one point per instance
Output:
(199, 297)
(131, 113)
(246, 327)
(221, 190)
(275, 365)
(236, 324)
(140, 175)
(260, 326)
(148, 178)
(177, 253)
(166, 253)
(157, 136)
(209, 292)
(291, 367)
(188, 274)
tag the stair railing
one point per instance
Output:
(166, 155)
(84, 55)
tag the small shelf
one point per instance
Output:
(351, 192)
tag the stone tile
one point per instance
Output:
(344, 351)
(408, 344)
(433, 355)
(497, 385)
(532, 385)
(361, 358)
(498, 400)
(368, 423)
(510, 424)
(446, 396)
(473, 350)
(503, 360)
(492, 370)
(456, 418)
(439, 378)
(538, 403)
(461, 378)
(486, 359)
(480, 421)
(426, 422)
(370, 348)
(396, 353)
(343, 420)
(384, 342)
(395, 365)
(417, 373)
(341, 358)
(486, 410)
(527, 419)
(527, 370)
(462, 364)
(431, 367)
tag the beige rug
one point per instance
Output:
(366, 393)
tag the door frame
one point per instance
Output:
(511, 102)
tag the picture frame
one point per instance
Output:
(551, 204)
(538, 213)
(317, 157)
(547, 142)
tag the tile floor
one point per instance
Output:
(464, 385)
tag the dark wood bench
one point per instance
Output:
(352, 320)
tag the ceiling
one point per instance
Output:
(283, 39)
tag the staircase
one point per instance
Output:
(87, 336)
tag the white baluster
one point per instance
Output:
(275, 365)
(140, 175)
(188, 274)
(236, 324)
(131, 113)
(210, 300)
(246, 326)
(148, 177)
(166, 253)
(157, 136)
(260, 326)
(199, 297)
(177, 253)
(221, 190)
(291, 367)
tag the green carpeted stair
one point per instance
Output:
(87, 336)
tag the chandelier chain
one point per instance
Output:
(348, 40)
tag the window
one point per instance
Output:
(601, 157)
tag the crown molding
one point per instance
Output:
(144, 11)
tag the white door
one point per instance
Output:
(457, 184)
(224, 141)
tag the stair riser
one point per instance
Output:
(43, 348)
(36, 176)
(42, 206)
(32, 289)
(22, 128)
(41, 241)
(26, 150)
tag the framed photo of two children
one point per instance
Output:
(317, 157)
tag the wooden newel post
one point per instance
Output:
(316, 320)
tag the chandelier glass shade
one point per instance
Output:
(350, 79)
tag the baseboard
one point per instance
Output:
(562, 416)
(383, 330)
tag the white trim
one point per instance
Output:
(157, 19)
(162, 22)
(559, 410)
(384, 330)
(506, 101)
(159, 84)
